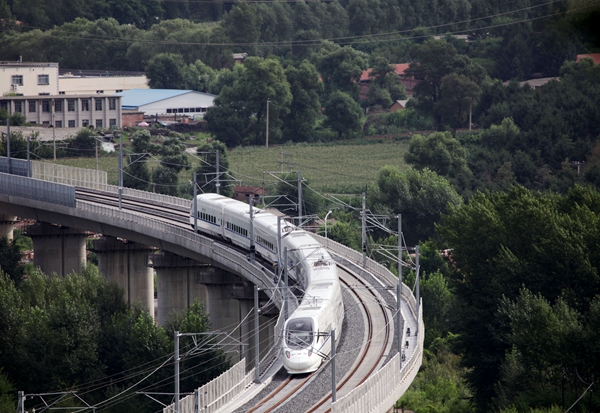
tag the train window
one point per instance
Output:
(299, 333)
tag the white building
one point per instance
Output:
(167, 101)
(29, 78)
(64, 111)
(70, 84)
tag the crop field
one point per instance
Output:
(341, 169)
(328, 168)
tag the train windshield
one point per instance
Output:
(299, 333)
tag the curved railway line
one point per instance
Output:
(375, 345)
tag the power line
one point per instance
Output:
(340, 40)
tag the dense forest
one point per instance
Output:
(506, 179)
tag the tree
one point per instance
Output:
(544, 340)
(505, 241)
(364, 16)
(206, 173)
(164, 181)
(439, 152)
(243, 25)
(83, 144)
(344, 115)
(377, 96)
(206, 364)
(305, 108)
(436, 59)
(4, 10)
(173, 153)
(239, 113)
(459, 94)
(165, 71)
(346, 233)
(198, 76)
(136, 173)
(10, 260)
(341, 68)
(8, 402)
(420, 196)
(517, 55)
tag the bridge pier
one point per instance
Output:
(126, 263)
(7, 226)
(176, 284)
(57, 249)
(227, 299)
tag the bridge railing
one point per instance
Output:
(69, 175)
(37, 190)
(151, 196)
(17, 166)
(381, 391)
(216, 393)
(88, 178)
(388, 384)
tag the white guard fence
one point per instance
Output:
(69, 175)
(216, 393)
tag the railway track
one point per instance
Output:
(374, 346)
(167, 213)
(376, 342)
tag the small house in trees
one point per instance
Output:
(594, 56)
(398, 105)
(242, 193)
(239, 57)
(399, 68)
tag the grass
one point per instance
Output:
(340, 168)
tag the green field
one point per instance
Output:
(329, 168)
(345, 168)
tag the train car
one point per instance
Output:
(306, 333)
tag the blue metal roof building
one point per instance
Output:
(166, 101)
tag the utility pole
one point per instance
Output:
(176, 371)
(267, 131)
(21, 403)
(120, 168)
(470, 116)
(195, 205)
(418, 297)
(399, 323)
(96, 155)
(364, 228)
(279, 267)
(8, 143)
(256, 341)
(299, 199)
(54, 134)
(252, 246)
(29, 171)
(333, 395)
(218, 184)
(285, 283)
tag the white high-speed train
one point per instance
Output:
(306, 338)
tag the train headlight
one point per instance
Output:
(287, 354)
(310, 350)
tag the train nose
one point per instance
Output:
(300, 361)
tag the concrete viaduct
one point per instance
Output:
(189, 265)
